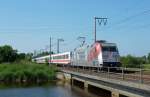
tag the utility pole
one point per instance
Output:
(58, 41)
(50, 50)
(100, 21)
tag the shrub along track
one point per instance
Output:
(26, 73)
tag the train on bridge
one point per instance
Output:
(99, 54)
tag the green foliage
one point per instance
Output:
(42, 54)
(26, 72)
(146, 66)
(132, 61)
(47, 61)
(135, 62)
(28, 56)
(148, 58)
(7, 54)
(21, 56)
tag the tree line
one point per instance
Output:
(44, 53)
(8, 54)
(134, 61)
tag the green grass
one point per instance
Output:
(146, 66)
(26, 72)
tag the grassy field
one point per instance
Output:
(26, 72)
(146, 66)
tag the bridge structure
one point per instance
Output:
(112, 81)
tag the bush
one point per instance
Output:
(132, 61)
(26, 72)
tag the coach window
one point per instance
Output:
(59, 57)
(67, 56)
(55, 57)
(63, 57)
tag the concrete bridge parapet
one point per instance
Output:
(116, 89)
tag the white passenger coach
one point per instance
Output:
(99, 54)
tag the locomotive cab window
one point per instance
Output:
(109, 48)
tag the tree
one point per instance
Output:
(7, 54)
(29, 56)
(43, 54)
(148, 58)
(143, 59)
(21, 56)
(132, 61)
(1, 56)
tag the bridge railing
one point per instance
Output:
(137, 75)
(128, 74)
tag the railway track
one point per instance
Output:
(125, 74)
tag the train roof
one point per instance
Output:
(105, 43)
(61, 53)
(101, 41)
(52, 55)
(108, 44)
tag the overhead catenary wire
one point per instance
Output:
(129, 18)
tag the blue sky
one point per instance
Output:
(28, 24)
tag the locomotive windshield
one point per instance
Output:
(109, 48)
